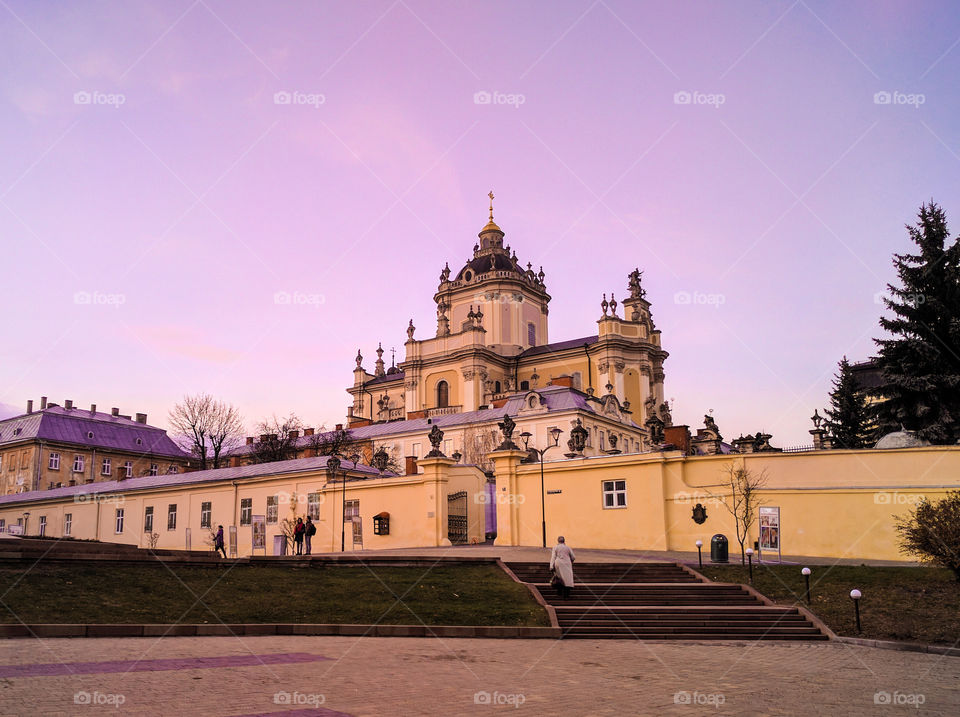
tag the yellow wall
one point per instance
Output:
(832, 503)
(453, 380)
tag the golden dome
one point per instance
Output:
(491, 225)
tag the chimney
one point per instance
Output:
(411, 465)
(30, 406)
(43, 402)
(68, 404)
(249, 440)
(293, 435)
(264, 437)
(114, 412)
(307, 431)
(141, 418)
(93, 408)
(339, 427)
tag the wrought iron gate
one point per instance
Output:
(457, 518)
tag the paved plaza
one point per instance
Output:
(414, 676)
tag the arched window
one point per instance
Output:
(443, 394)
(496, 387)
(532, 334)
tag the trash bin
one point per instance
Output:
(719, 549)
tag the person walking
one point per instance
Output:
(308, 533)
(218, 542)
(298, 532)
(561, 564)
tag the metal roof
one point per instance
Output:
(57, 424)
(559, 346)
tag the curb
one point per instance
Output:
(14, 631)
(899, 646)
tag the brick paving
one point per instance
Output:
(423, 676)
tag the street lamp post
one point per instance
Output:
(806, 576)
(526, 435)
(700, 553)
(750, 562)
(855, 595)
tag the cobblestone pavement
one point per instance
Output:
(414, 676)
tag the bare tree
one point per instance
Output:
(203, 425)
(278, 439)
(744, 486)
(477, 443)
(330, 443)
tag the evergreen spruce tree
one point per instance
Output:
(921, 359)
(849, 417)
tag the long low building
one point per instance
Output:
(437, 502)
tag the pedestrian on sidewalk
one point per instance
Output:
(298, 532)
(561, 565)
(218, 542)
(308, 533)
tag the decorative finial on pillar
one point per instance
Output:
(410, 329)
(604, 305)
(359, 359)
(379, 370)
(613, 304)
(491, 204)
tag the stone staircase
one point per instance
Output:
(662, 601)
(49, 550)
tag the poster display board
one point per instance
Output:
(233, 541)
(258, 525)
(770, 530)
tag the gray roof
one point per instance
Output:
(299, 465)
(555, 398)
(57, 424)
(559, 346)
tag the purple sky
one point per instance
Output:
(178, 197)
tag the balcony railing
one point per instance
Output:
(445, 411)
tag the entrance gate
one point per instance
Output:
(457, 518)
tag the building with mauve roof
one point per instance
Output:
(64, 446)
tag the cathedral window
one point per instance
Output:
(496, 387)
(443, 394)
(532, 334)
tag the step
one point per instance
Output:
(688, 636)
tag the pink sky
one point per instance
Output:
(181, 198)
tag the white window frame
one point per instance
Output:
(128, 469)
(43, 525)
(206, 512)
(148, 519)
(78, 461)
(3, 525)
(174, 469)
(154, 469)
(616, 490)
(313, 506)
(118, 527)
(273, 509)
(106, 468)
(54, 463)
(246, 511)
(172, 516)
(67, 523)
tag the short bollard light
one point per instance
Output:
(855, 595)
(700, 553)
(750, 563)
(806, 576)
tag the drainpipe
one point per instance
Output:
(589, 365)
(97, 533)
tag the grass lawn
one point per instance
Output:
(443, 595)
(908, 604)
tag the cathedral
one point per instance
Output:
(491, 354)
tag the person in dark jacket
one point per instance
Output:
(308, 533)
(298, 533)
(218, 542)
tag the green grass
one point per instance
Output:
(907, 604)
(443, 595)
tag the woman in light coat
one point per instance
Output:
(561, 564)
